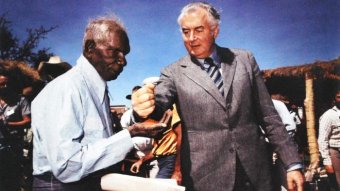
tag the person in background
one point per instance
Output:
(142, 145)
(222, 100)
(279, 173)
(329, 141)
(74, 144)
(15, 118)
(167, 151)
(55, 67)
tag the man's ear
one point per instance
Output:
(216, 31)
(89, 47)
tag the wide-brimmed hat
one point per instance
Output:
(56, 60)
(53, 68)
(135, 88)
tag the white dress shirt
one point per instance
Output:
(73, 134)
(285, 115)
(329, 133)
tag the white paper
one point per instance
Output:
(120, 182)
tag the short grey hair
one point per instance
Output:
(100, 28)
(212, 13)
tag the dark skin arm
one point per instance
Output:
(136, 166)
(26, 119)
(177, 175)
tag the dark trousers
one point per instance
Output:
(166, 165)
(10, 169)
(47, 182)
(242, 182)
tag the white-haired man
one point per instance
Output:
(74, 143)
(222, 100)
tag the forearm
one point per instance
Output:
(71, 156)
(25, 121)
(178, 131)
(148, 157)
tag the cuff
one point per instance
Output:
(294, 166)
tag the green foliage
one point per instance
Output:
(11, 48)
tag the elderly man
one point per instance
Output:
(222, 101)
(74, 143)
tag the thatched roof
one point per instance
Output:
(290, 82)
(323, 69)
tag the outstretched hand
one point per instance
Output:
(151, 128)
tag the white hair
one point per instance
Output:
(100, 28)
(212, 13)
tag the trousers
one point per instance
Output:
(47, 182)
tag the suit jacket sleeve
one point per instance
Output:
(269, 119)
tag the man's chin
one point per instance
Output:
(113, 76)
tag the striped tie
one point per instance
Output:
(214, 73)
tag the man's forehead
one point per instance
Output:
(194, 21)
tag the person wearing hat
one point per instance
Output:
(141, 144)
(166, 148)
(53, 68)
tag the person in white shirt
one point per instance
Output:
(329, 142)
(74, 143)
(290, 125)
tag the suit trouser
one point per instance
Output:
(242, 182)
(335, 157)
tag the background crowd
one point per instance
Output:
(20, 84)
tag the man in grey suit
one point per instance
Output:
(223, 147)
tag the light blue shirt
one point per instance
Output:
(72, 129)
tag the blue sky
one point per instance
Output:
(279, 32)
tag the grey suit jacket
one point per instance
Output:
(216, 129)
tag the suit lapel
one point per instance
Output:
(200, 77)
(228, 66)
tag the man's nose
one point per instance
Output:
(192, 36)
(121, 59)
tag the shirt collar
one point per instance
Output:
(213, 56)
(94, 81)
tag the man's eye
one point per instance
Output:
(185, 31)
(200, 30)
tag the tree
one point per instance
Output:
(26, 50)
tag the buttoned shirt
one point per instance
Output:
(329, 133)
(73, 134)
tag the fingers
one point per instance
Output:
(143, 100)
(166, 117)
(329, 169)
(295, 180)
(134, 168)
(147, 129)
(178, 177)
